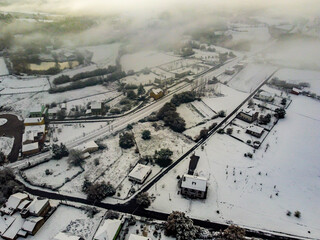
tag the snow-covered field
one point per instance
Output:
(3, 67)
(59, 171)
(6, 144)
(103, 55)
(299, 76)
(190, 115)
(229, 100)
(250, 77)
(140, 60)
(258, 192)
(71, 220)
(140, 79)
(3, 121)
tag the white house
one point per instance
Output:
(109, 230)
(193, 186)
(140, 173)
(265, 96)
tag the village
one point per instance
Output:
(200, 141)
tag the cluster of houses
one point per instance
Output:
(22, 216)
(250, 115)
(35, 131)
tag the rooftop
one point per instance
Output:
(194, 182)
(254, 128)
(37, 205)
(96, 105)
(30, 147)
(108, 230)
(156, 90)
(34, 120)
(140, 171)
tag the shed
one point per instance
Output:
(255, 131)
(109, 230)
(140, 173)
(30, 149)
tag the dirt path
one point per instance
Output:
(13, 128)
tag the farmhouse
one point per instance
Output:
(96, 108)
(30, 149)
(34, 134)
(140, 173)
(13, 202)
(39, 207)
(156, 93)
(193, 186)
(32, 225)
(248, 115)
(255, 131)
(109, 230)
(34, 121)
(89, 147)
(265, 96)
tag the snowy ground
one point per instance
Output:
(190, 115)
(141, 78)
(3, 67)
(251, 76)
(6, 144)
(3, 121)
(103, 55)
(60, 170)
(227, 100)
(299, 76)
(258, 192)
(69, 219)
(140, 60)
(66, 133)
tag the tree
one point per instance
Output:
(76, 158)
(280, 113)
(229, 131)
(61, 114)
(180, 226)
(163, 157)
(59, 151)
(146, 135)
(99, 191)
(233, 233)
(141, 90)
(2, 157)
(143, 200)
(283, 101)
(126, 140)
(171, 118)
(131, 94)
(8, 184)
(184, 97)
(203, 133)
(222, 113)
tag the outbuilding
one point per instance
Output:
(140, 173)
(30, 149)
(255, 131)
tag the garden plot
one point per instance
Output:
(140, 60)
(13, 85)
(71, 220)
(161, 137)
(6, 144)
(66, 133)
(250, 77)
(137, 79)
(194, 132)
(203, 109)
(190, 114)
(179, 65)
(59, 171)
(104, 55)
(3, 67)
(258, 192)
(228, 99)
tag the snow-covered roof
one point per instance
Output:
(96, 105)
(108, 230)
(37, 205)
(194, 182)
(65, 236)
(36, 109)
(30, 147)
(23, 204)
(87, 146)
(266, 94)
(249, 111)
(31, 223)
(156, 90)
(36, 128)
(14, 228)
(254, 128)
(140, 171)
(52, 110)
(296, 90)
(15, 199)
(5, 222)
(34, 120)
(137, 237)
